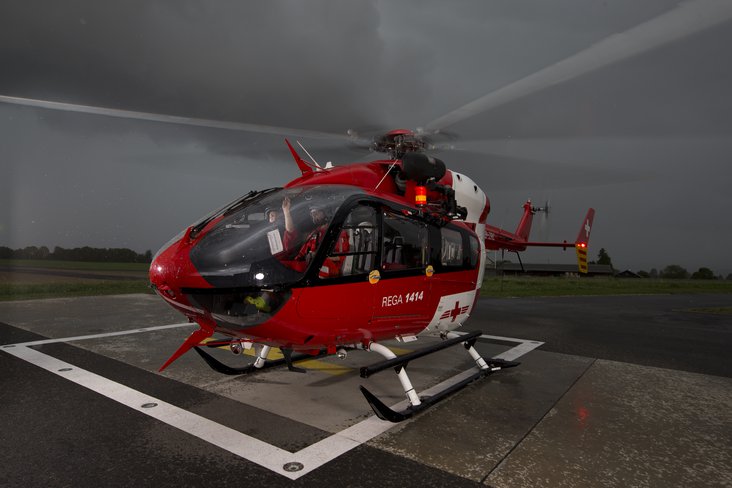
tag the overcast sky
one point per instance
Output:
(621, 105)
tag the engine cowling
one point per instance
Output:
(469, 195)
(421, 168)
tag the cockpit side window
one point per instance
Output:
(405, 243)
(458, 249)
(354, 252)
(452, 248)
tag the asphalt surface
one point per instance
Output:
(625, 391)
(65, 435)
(665, 331)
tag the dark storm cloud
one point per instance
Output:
(299, 64)
(118, 187)
(678, 89)
(481, 46)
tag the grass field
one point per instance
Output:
(524, 286)
(73, 265)
(22, 279)
(16, 291)
(18, 285)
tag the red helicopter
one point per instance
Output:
(344, 258)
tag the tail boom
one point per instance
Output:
(498, 239)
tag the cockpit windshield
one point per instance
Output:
(270, 239)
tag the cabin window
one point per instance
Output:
(354, 252)
(458, 249)
(404, 243)
(452, 248)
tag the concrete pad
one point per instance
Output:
(629, 425)
(66, 317)
(332, 385)
(471, 432)
(556, 420)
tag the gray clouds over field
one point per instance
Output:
(623, 106)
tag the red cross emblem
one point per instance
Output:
(455, 312)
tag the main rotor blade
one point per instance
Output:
(173, 119)
(684, 20)
(512, 173)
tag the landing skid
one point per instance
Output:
(259, 364)
(416, 403)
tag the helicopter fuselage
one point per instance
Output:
(373, 266)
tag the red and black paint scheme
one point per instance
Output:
(339, 258)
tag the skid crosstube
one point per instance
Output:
(404, 359)
(385, 413)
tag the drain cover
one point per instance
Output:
(291, 467)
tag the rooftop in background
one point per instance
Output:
(550, 269)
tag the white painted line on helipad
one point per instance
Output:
(518, 351)
(501, 338)
(242, 445)
(101, 336)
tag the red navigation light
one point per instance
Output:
(420, 195)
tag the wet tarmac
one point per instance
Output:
(612, 391)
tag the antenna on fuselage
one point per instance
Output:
(312, 158)
(385, 175)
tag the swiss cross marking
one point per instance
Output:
(587, 228)
(455, 311)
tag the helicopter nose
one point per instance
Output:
(162, 275)
(172, 270)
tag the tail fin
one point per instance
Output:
(583, 239)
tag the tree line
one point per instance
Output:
(89, 254)
(670, 272)
(676, 272)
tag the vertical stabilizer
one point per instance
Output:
(583, 240)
